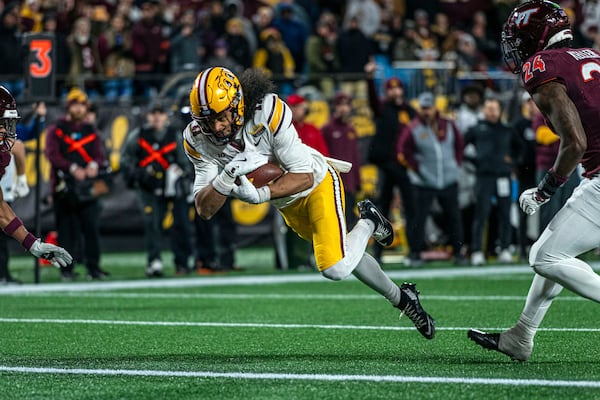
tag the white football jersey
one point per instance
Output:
(271, 133)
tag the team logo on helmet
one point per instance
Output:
(523, 18)
(531, 27)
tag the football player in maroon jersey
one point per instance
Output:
(565, 84)
(11, 224)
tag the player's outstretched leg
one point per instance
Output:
(507, 342)
(384, 233)
(411, 307)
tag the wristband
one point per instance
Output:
(12, 226)
(550, 183)
(224, 183)
(28, 241)
(264, 193)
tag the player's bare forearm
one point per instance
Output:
(291, 183)
(557, 107)
(208, 201)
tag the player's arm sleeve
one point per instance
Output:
(204, 173)
(204, 170)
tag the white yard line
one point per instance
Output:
(272, 296)
(305, 377)
(259, 325)
(241, 280)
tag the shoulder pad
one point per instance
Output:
(276, 114)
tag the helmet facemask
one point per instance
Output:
(206, 125)
(512, 58)
(8, 135)
(8, 120)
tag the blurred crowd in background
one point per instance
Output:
(118, 50)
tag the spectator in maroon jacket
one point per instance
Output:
(76, 156)
(342, 143)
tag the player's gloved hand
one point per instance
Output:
(241, 164)
(58, 256)
(531, 199)
(20, 188)
(250, 194)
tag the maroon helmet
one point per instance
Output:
(8, 120)
(531, 27)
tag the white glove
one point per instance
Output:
(20, 188)
(58, 256)
(241, 164)
(250, 194)
(172, 174)
(175, 170)
(531, 199)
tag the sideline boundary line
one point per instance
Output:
(241, 280)
(276, 296)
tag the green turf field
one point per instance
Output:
(263, 334)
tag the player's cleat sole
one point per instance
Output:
(411, 307)
(384, 232)
(491, 341)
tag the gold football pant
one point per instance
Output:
(319, 218)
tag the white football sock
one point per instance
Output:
(369, 272)
(539, 299)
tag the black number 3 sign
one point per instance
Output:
(41, 66)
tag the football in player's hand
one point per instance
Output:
(264, 174)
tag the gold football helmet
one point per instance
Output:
(216, 90)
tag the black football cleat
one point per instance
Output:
(486, 340)
(384, 233)
(411, 307)
(491, 341)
